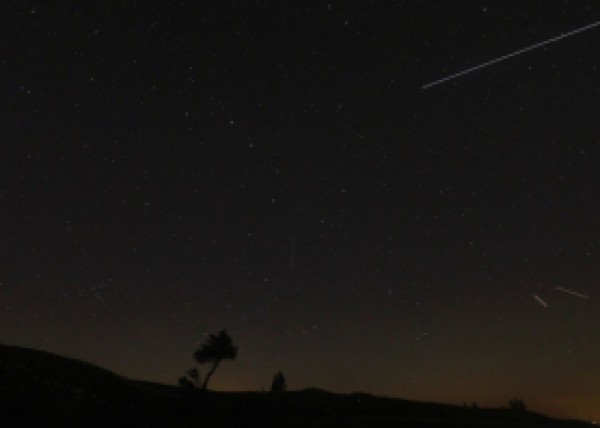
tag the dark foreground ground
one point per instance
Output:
(41, 389)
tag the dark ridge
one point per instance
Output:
(39, 388)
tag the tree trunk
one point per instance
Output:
(209, 374)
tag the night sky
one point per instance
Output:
(274, 168)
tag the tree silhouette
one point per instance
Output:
(216, 349)
(278, 384)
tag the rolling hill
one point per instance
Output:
(38, 388)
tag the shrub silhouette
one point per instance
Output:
(517, 405)
(278, 384)
(216, 349)
(191, 379)
(184, 382)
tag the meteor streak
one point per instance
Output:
(292, 252)
(540, 301)
(512, 54)
(573, 293)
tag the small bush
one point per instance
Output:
(517, 405)
(278, 384)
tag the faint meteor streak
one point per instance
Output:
(540, 300)
(573, 293)
(292, 252)
(512, 54)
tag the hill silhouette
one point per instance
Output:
(44, 389)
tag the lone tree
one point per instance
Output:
(278, 384)
(216, 349)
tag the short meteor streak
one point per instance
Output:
(573, 293)
(512, 54)
(540, 300)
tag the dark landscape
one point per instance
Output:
(44, 389)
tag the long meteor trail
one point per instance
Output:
(573, 293)
(512, 54)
